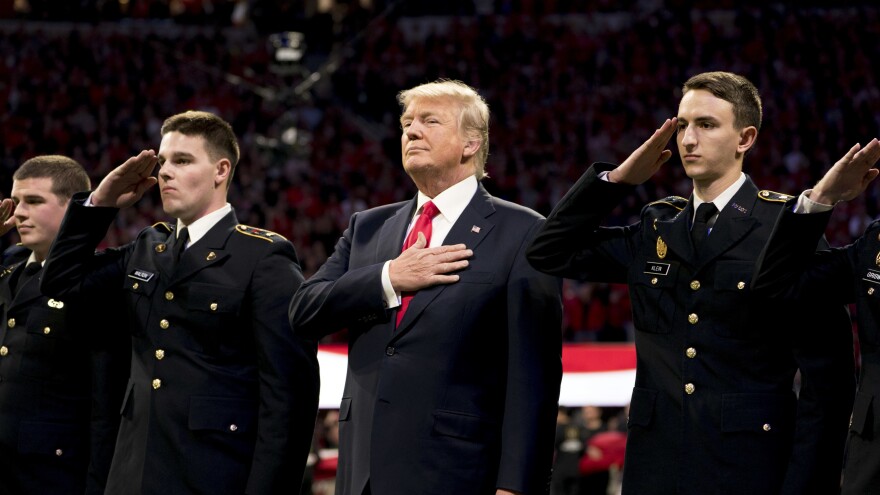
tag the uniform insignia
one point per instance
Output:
(266, 235)
(211, 256)
(163, 226)
(160, 248)
(661, 248)
(475, 229)
(55, 304)
(877, 259)
(741, 209)
(872, 276)
(142, 275)
(774, 196)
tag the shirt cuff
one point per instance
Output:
(392, 299)
(807, 205)
(88, 201)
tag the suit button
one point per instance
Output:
(767, 427)
(156, 383)
(59, 452)
(654, 281)
(160, 354)
(169, 296)
(691, 352)
(233, 427)
(693, 318)
(213, 306)
(135, 286)
(11, 323)
(695, 284)
(870, 291)
(164, 324)
(4, 350)
(689, 388)
(47, 331)
(741, 285)
(389, 351)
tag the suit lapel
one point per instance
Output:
(676, 232)
(470, 229)
(207, 251)
(27, 292)
(393, 231)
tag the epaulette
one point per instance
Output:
(160, 226)
(676, 202)
(6, 270)
(773, 196)
(266, 235)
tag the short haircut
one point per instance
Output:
(737, 90)
(220, 141)
(68, 176)
(473, 120)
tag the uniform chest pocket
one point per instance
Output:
(652, 287)
(47, 345)
(731, 304)
(215, 299)
(868, 294)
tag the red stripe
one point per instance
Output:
(576, 358)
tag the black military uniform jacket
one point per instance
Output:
(713, 409)
(842, 275)
(62, 377)
(222, 397)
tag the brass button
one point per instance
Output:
(164, 324)
(169, 296)
(135, 286)
(4, 350)
(47, 331)
(767, 427)
(160, 248)
(695, 284)
(156, 383)
(160, 354)
(870, 291)
(214, 306)
(691, 352)
(59, 452)
(11, 323)
(211, 256)
(689, 388)
(741, 285)
(693, 318)
(233, 427)
(654, 281)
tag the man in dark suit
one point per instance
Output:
(455, 342)
(63, 372)
(713, 410)
(222, 397)
(789, 269)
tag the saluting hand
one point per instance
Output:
(644, 162)
(128, 182)
(7, 220)
(419, 267)
(850, 176)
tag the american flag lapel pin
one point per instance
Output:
(475, 229)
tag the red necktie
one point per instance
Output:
(423, 225)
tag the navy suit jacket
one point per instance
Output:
(462, 396)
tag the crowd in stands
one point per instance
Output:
(569, 83)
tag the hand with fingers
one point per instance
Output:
(7, 220)
(128, 182)
(646, 160)
(850, 176)
(419, 267)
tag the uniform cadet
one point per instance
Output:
(222, 397)
(713, 408)
(843, 275)
(62, 375)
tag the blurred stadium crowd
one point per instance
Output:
(568, 82)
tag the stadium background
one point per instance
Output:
(310, 87)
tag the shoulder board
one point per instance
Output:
(676, 202)
(773, 196)
(266, 235)
(163, 226)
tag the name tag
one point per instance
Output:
(142, 275)
(656, 268)
(872, 276)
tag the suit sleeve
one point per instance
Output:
(73, 267)
(288, 374)
(534, 374)
(336, 296)
(572, 244)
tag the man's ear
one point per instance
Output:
(471, 147)
(222, 171)
(747, 137)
